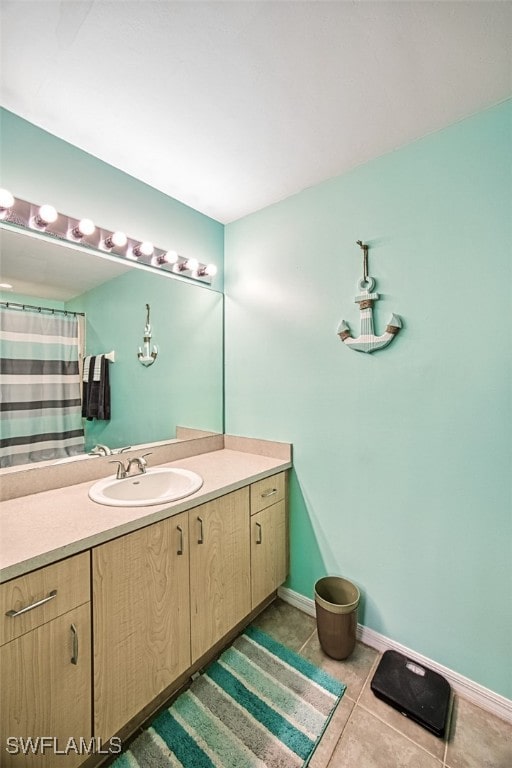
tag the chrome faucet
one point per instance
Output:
(125, 471)
(140, 462)
(104, 450)
(101, 450)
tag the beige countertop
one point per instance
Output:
(41, 528)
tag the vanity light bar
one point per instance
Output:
(45, 218)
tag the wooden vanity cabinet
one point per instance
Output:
(220, 588)
(45, 665)
(269, 537)
(141, 619)
(162, 597)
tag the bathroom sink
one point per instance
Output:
(155, 486)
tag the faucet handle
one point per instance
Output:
(121, 469)
(122, 450)
(139, 461)
(142, 460)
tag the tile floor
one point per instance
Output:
(366, 733)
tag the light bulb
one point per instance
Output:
(169, 257)
(210, 270)
(115, 240)
(47, 214)
(143, 249)
(6, 200)
(190, 264)
(83, 228)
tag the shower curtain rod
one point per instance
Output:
(33, 308)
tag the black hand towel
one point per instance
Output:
(96, 389)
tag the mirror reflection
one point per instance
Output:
(184, 386)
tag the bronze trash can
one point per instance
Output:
(336, 602)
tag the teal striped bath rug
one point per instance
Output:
(260, 705)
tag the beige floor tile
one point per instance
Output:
(367, 742)
(370, 734)
(352, 671)
(286, 624)
(332, 733)
(478, 739)
(413, 731)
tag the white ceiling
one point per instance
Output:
(231, 106)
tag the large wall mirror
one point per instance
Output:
(184, 387)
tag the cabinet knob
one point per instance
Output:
(180, 546)
(201, 536)
(268, 493)
(259, 538)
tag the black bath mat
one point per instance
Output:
(417, 692)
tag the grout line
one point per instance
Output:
(349, 718)
(333, 750)
(369, 675)
(449, 727)
(401, 733)
(307, 641)
(445, 753)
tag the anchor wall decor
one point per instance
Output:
(147, 356)
(367, 341)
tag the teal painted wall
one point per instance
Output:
(184, 386)
(402, 459)
(39, 167)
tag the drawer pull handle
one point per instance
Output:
(201, 536)
(260, 534)
(74, 658)
(268, 493)
(13, 613)
(180, 548)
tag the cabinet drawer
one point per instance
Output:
(42, 595)
(268, 491)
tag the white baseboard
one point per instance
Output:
(478, 694)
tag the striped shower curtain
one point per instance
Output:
(40, 404)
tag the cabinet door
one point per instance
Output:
(46, 692)
(269, 551)
(219, 568)
(141, 619)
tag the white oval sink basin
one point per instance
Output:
(155, 486)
